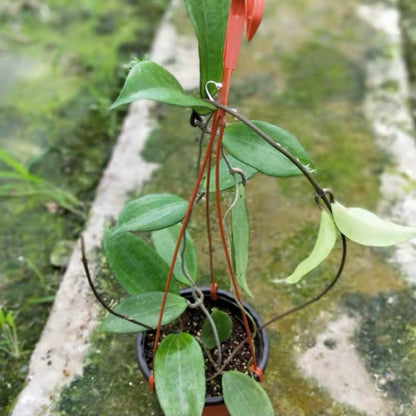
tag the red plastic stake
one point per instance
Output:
(257, 371)
(235, 26)
(151, 382)
(254, 14)
(213, 291)
(249, 12)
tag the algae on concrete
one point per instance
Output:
(408, 12)
(319, 49)
(60, 66)
(386, 339)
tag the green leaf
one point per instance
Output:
(240, 239)
(180, 375)
(209, 18)
(10, 175)
(144, 308)
(20, 189)
(223, 324)
(244, 396)
(148, 80)
(368, 229)
(165, 240)
(151, 212)
(10, 320)
(2, 318)
(325, 242)
(226, 178)
(247, 146)
(17, 167)
(136, 266)
(39, 300)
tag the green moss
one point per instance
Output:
(328, 75)
(320, 103)
(60, 69)
(107, 390)
(407, 14)
(291, 392)
(173, 144)
(391, 86)
(387, 341)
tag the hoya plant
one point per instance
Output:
(151, 252)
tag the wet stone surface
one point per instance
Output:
(310, 80)
(56, 84)
(306, 71)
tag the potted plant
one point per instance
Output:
(189, 339)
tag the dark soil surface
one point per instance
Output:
(191, 322)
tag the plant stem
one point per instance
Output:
(321, 192)
(294, 309)
(214, 331)
(223, 237)
(97, 295)
(208, 221)
(182, 230)
(320, 294)
(199, 296)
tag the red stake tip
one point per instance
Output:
(151, 382)
(235, 26)
(213, 291)
(257, 371)
(254, 14)
(248, 12)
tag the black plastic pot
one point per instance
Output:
(214, 406)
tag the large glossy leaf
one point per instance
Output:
(151, 212)
(150, 81)
(240, 239)
(366, 228)
(244, 396)
(180, 375)
(209, 18)
(145, 308)
(165, 240)
(226, 178)
(247, 146)
(136, 266)
(325, 242)
(223, 325)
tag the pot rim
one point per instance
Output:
(261, 340)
